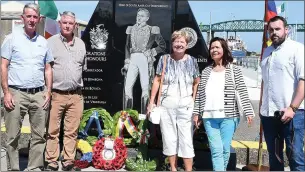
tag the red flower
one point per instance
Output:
(81, 164)
(121, 154)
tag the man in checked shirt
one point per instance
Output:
(67, 99)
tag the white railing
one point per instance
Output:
(249, 62)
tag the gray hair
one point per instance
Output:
(68, 13)
(145, 10)
(32, 6)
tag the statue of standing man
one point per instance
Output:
(140, 56)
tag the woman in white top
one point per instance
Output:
(177, 100)
(215, 102)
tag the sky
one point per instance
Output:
(220, 11)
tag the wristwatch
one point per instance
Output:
(294, 109)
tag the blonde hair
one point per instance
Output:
(181, 33)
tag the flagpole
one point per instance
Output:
(296, 31)
(285, 10)
(210, 26)
(260, 144)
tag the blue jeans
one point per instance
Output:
(220, 132)
(293, 134)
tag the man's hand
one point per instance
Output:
(148, 53)
(288, 115)
(9, 101)
(47, 96)
(196, 121)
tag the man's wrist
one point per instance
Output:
(5, 91)
(49, 90)
(293, 108)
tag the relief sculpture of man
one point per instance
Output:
(140, 56)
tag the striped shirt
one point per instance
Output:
(229, 93)
(69, 62)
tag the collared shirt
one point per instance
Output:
(27, 58)
(69, 62)
(282, 68)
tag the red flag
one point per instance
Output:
(270, 11)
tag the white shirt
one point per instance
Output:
(281, 70)
(214, 106)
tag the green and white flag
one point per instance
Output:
(50, 11)
(281, 8)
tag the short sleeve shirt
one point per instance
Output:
(179, 75)
(27, 59)
(69, 62)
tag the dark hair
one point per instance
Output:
(227, 55)
(276, 18)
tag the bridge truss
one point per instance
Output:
(241, 26)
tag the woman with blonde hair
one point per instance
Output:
(216, 101)
(178, 92)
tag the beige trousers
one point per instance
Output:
(71, 107)
(31, 104)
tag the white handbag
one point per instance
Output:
(157, 110)
(237, 96)
(155, 114)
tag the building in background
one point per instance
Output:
(10, 19)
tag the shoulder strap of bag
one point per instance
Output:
(162, 78)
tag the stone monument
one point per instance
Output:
(119, 29)
(109, 81)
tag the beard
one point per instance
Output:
(279, 40)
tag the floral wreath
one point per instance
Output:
(86, 151)
(96, 115)
(109, 154)
(129, 119)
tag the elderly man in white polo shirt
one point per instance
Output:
(282, 102)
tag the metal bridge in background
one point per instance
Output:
(240, 26)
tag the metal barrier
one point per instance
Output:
(252, 63)
(249, 62)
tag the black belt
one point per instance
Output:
(28, 90)
(76, 91)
